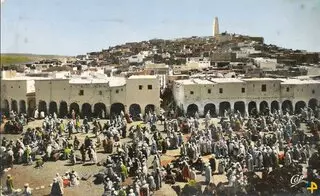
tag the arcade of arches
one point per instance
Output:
(62, 109)
(252, 107)
(100, 109)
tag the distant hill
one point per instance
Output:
(18, 58)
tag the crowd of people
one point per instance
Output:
(238, 147)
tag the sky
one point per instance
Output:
(72, 27)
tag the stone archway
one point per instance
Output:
(100, 110)
(274, 106)
(224, 106)
(14, 106)
(298, 106)
(252, 108)
(53, 108)
(264, 107)
(192, 109)
(287, 106)
(5, 107)
(135, 110)
(75, 107)
(313, 103)
(149, 108)
(22, 107)
(42, 107)
(86, 110)
(63, 109)
(240, 106)
(211, 108)
(116, 109)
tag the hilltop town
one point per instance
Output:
(158, 115)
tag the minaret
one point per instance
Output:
(216, 27)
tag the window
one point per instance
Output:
(149, 87)
(263, 88)
(209, 91)
(288, 89)
(19, 86)
(243, 90)
(100, 92)
(140, 87)
(191, 92)
(220, 90)
(11, 86)
(81, 92)
(313, 91)
(117, 91)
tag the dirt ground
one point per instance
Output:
(40, 179)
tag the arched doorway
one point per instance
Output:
(274, 106)
(313, 103)
(14, 106)
(287, 106)
(53, 108)
(192, 109)
(22, 107)
(240, 106)
(100, 110)
(5, 107)
(224, 106)
(299, 105)
(42, 107)
(264, 108)
(211, 108)
(86, 110)
(135, 110)
(63, 109)
(149, 108)
(252, 108)
(75, 107)
(116, 109)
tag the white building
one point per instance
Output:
(202, 62)
(266, 64)
(88, 95)
(160, 70)
(220, 94)
(244, 52)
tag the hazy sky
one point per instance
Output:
(70, 27)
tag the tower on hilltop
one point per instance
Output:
(216, 27)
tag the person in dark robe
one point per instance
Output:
(76, 143)
(56, 190)
(157, 179)
(70, 127)
(83, 153)
(87, 142)
(164, 146)
(124, 131)
(212, 162)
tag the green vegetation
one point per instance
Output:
(11, 59)
(8, 59)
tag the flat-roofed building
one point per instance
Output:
(245, 95)
(91, 95)
(143, 93)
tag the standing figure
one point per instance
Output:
(9, 184)
(56, 189)
(208, 174)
